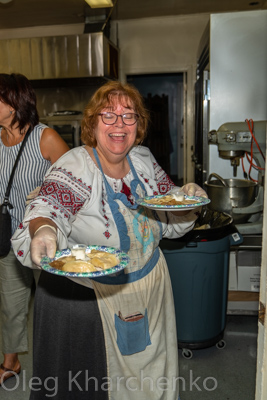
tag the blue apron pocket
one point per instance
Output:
(132, 336)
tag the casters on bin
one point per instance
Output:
(221, 344)
(187, 347)
(187, 353)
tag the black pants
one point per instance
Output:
(69, 357)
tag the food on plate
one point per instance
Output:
(97, 253)
(79, 266)
(65, 259)
(95, 260)
(104, 262)
(169, 200)
(58, 264)
(79, 251)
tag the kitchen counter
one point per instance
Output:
(244, 276)
(250, 242)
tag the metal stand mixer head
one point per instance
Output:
(234, 141)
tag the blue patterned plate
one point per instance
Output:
(200, 201)
(123, 258)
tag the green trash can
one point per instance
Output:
(198, 264)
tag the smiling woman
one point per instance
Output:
(106, 99)
(91, 197)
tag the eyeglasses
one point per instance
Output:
(110, 118)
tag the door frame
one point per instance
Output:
(261, 374)
(155, 87)
(189, 114)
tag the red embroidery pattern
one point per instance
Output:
(63, 195)
(146, 180)
(65, 192)
(107, 234)
(20, 253)
(164, 182)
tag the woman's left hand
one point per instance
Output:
(192, 189)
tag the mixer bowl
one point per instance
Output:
(227, 194)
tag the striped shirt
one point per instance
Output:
(29, 173)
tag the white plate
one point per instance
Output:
(123, 261)
(200, 201)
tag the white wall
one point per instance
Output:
(238, 74)
(163, 45)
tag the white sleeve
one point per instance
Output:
(174, 226)
(156, 181)
(50, 203)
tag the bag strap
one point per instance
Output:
(6, 202)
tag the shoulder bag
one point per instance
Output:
(5, 218)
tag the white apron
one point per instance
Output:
(142, 355)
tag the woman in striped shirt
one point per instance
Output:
(44, 146)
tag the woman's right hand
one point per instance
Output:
(44, 243)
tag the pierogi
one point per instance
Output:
(169, 200)
(94, 261)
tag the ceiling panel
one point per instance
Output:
(27, 13)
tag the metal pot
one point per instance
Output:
(226, 194)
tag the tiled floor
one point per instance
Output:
(223, 374)
(211, 374)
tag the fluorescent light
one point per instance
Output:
(99, 3)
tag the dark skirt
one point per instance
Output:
(69, 357)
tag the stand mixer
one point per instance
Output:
(234, 141)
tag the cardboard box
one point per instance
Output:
(249, 278)
(248, 270)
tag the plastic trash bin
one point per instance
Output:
(198, 264)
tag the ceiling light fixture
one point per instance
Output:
(99, 3)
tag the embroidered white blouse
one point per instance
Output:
(73, 195)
